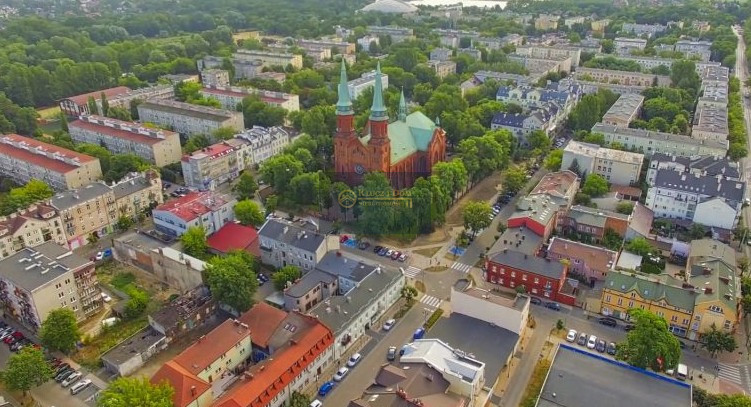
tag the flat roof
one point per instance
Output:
(187, 109)
(123, 130)
(625, 107)
(32, 268)
(580, 378)
(135, 345)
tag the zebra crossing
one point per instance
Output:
(464, 268)
(430, 301)
(730, 373)
(412, 272)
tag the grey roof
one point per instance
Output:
(510, 119)
(130, 186)
(68, 199)
(308, 282)
(338, 264)
(32, 268)
(580, 378)
(521, 239)
(339, 311)
(703, 184)
(133, 346)
(708, 164)
(490, 344)
(531, 264)
(292, 234)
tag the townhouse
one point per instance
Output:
(30, 227)
(207, 209)
(189, 119)
(294, 243)
(698, 165)
(589, 262)
(649, 142)
(616, 166)
(211, 166)
(625, 110)
(540, 277)
(263, 143)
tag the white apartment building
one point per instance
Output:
(284, 242)
(207, 209)
(647, 63)
(23, 159)
(649, 142)
(232, 96)
(364, 42)
(341, 47)
(507, 311)
(625, 110)
(697, 165)
(648, 30)
(624, 46)
(365, 82)
(209, 167)
(611, 76)
(123, 100)
(397, 34)
(690, 49)
(160, 147)
(557, 52)
(618, 167)
(189, 119)
(215, 77)
(268, 59)
(707, 200)
(263, 143)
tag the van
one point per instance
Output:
(78, 387)
(681, 372)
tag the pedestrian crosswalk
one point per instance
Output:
(730, 373)
(430, 301)
(464, 268)
(412, 272)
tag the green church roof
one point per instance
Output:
(408, 136)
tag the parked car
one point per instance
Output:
(325, 388)
(553, 305)
(571, 336)
(391, 354)
(316, 403)
(343, 238)
(419, 333)
(389, 252)
(78, 387)
(535, 300)
(592, 342)
(608, 321)
(611, 348)
(395, 255)
(377, 249)
(61, 367)
(383, 251)
(339, 375)
(601, 345)
(389, 324)
(582, 339)
(363, 245)
(106, 297)
(71, 379)
(402, 257)
(99, 256)
(629, 327)
(64, 374)
(354, 360)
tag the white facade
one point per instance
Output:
(617, 167)
(263, 143)
(365, 42)
(716, 212)
(648, 142)
(189, 119)
(507, 313)
(365, 82)
(624, 46)
(207, 210)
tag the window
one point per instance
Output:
(524, 277)
(537, 280)
(607, 298)
(727, 324)
(674, 318)
(513, 274)
(631, 304)
(715, 308)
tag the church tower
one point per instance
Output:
(378, 123)
(345, 127)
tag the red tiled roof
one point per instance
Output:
(268, 378)
(182, 381)
(211, 346)
(41, 160)
(134, 135)
(596, 258)
(555, 183)
(233, 236)
(626, 190)
(192, 205)
(211, 151)
(109, 93)
(263, 320)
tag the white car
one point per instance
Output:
(316, 403)
(78, 387)
(99, 256)
(592, 342)
(339, 375)
(354, 360)
(572, 334)
(389, 324)
(106, 297)
(389, 252)
(71, 379)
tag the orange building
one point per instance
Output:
(403, 150)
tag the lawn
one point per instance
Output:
(49, 112)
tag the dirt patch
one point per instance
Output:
(483, 191)
(438, 236)
(420, 286)
(428, 252)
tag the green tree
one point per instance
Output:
(232, 279)
(91, 103)
(625, 207)
(409, 293)
(284, 275)
(136, 391)
(124, 222)
(248, 213)
(223, 133)
(137, 302)
(297, 399)
(554, 160)
(595, 185)
(194, 242)
(746, 304)
(683, 75)
(59, 330)
(538, 140)
(640, 246)
(105, 104)
(122, 164)
(514, 179)
(697, 231)
(649, 343)
(119, 113)
(476, 215)
(279, 170)
(63, 122)
(26, 369)
(716, 341)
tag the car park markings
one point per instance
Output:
(730, 373)
(412, 271)
(464, 268)
(430, 301)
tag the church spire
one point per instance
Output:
(402, 107)
(378, 109)
(344, 104)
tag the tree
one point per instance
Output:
(650, 344)
(119, 113)
(232, 279)
(743, 265)
(697, 231)
(514, 179)
(124, 222)
(284, 275)
(105, 104)
(716, 341)
(223, 133)
(64, 122)
(595, 185)
(91, 103)
(639, 246)
(683, 75)
(559, 325)
(554, 160)
(409, 293)
(137, 303)
(625, 207)
(248, 213)
(136, 391)
(60, 331)
(476, 215)
(246, 186)
(194, 242)
(26, 369)
(746, 303)
(539, 140)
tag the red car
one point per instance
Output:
(395, 255)
(343, 239)
(17, 336)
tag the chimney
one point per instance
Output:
(707, 290)
(193, 391)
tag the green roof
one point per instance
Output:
(409, 136)
(712, 265)
(652, 288)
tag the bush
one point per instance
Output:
(433, 318)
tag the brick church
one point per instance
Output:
(404, 150)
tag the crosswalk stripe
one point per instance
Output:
(464, 268)
(412, 271)
(731, 373)
(430, 301)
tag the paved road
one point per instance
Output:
(374, 355)
(741, 72)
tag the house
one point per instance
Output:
(589, 262)
(706, 165)
(625, 110)
(708, 200)
(592, 223)
(208, 210)
(30, 227)
(184, 314)
(264, 321)
(616, 166)
(540, 277)
(295, 243)
(189, 119)
(234, 236)
(649, 142)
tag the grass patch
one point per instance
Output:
(109, 337)
(404, 309)
(433, 318)
(50, 112)
(122, 280)
(429, 252)
(535, 384)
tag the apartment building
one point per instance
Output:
(189, 119)
(537, 211)
(710, 123)
(268, 59)
(649, 142)
(589, 262)
(124, 100)
(622, 77)
(441, 54)
(531, 98)
(708, 200)
(545, 22)
(618, 167)
(341, 47)
(647, 63)
(365, 82)
(545, 119)
(295, 243)
(698, 165)
(713, 93)
(30, 227)
(211, 166)
(625, 110)
(624, 46)
(397, 34)
(452, 38)
(215, 77)
(539, 67)
(263, 143)
(591, 224)
(79, 104)
(541, 277)
(160, 147)
(36, 281)
(570, 21)
(646, 30)
(364, 42)
(474, 53)
(691, 49)
(598, 26)
(23, 159)
(232, 96)
(207, 209)
(557, 52)
(442, 68)
(137, 193)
